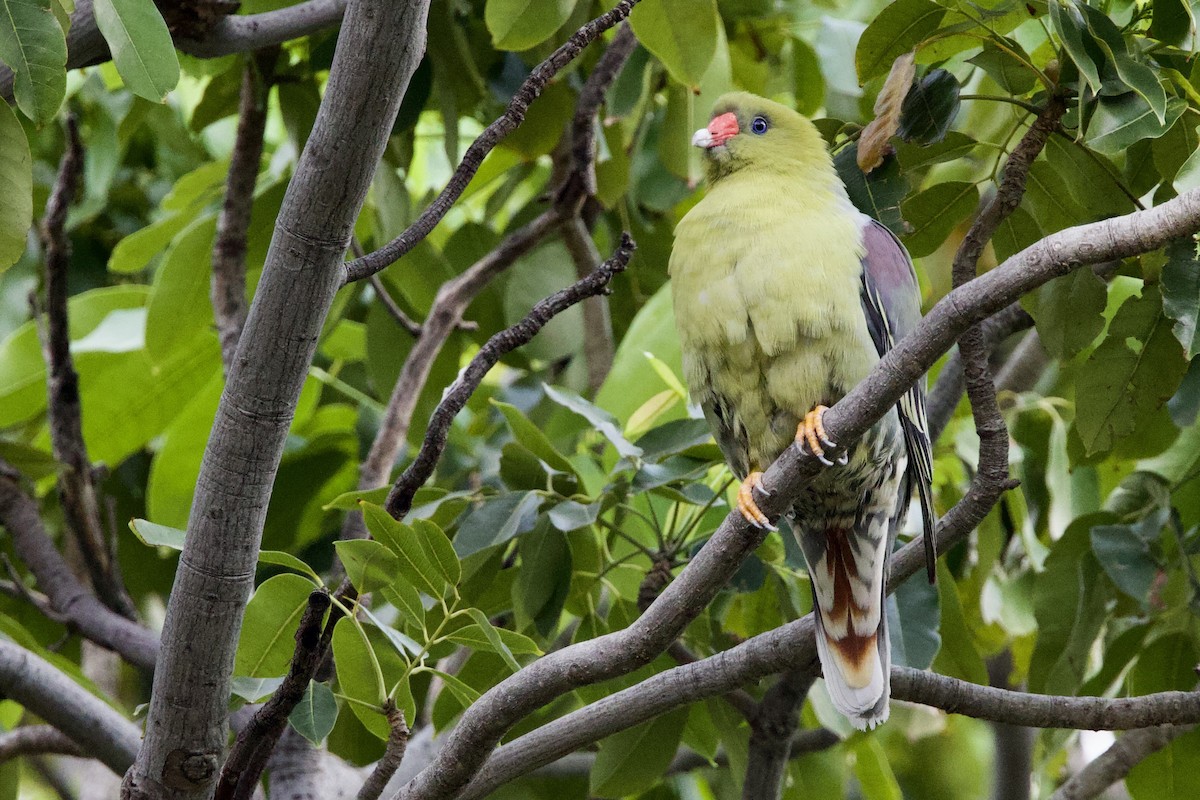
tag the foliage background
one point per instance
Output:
(558, 507)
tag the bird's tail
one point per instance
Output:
(852, 636)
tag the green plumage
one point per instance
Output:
(785, 298)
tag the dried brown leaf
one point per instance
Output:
(875, 142)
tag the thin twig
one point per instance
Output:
(68, 596)
(513, 116)
(76, 483)
(598, 348)
(228, 290)
(254, 743)
(991, 478)
(37, 740)
(399, 500)
(411, 326)
(393, 754)
(1115, 763)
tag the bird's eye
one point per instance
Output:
(758, 125)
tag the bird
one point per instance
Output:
(785, 296)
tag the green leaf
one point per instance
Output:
(267, 640)
(571, 516)
(1008, 67)
(873, 771)
(356, 660)
(315, 714)
(438, 549)
(879, 194)
(935, 212)
(254, 690)
(1172, 21)
(682, 34)
(600, 419)
(532, 438)
(520, 24)
(1137, 76)
(481, 635)
(22, 368)
(369, 565)
(914, 156)
(901, 26)
(180, 307)
(1121, 121)
(1069, 602)
(347, 501)
(282, 559)
(141, 46)
(632, 380)
(1172, 773)
(929, 108)
(154, 535)
(958, 656)
(1133, 372)
(16, 189)
(465, 694)
(544, 579)
(1067, 21)
(914, 621)
(1125, 555)
(633, 760)
(411, 561)
(1181, 292)
(1069, 312)
(808, 82)
(34, 48)
(495, 521)
(405, 598)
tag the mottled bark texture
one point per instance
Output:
(379, 48)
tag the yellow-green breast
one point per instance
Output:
(765, 276)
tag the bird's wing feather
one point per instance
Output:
(891, 302)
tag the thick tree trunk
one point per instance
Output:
(380, 45)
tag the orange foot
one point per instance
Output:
(748, 507)
(810, 436)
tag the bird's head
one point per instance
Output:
(752, 132)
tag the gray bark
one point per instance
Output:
(380, 47)
(95, 726)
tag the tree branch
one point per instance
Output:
(254, 743)
(31, 740)
(393, 755)
(598, 346)
(391, 252)
(68, 597)
(399, 500)
(76, 483)
(232, 34)
(90, 722)
(228, 290)
(773, 730)
(1116, 762)
(1044, 711)
(380, 47)
(791, 644)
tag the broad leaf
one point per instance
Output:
(520, 24)
(16, 188)
(411, 560)
(34, 48)
(369, 565)
(1181, 292)
(495, 521)
(141, 46)
(153, 535)
(315, 714)
(1008, 67)
(682, 34)
(267, 640)
(930, 108)
(901, 26)
(935, 212)
(1133, 372)
(1069, 312)
(633, 760)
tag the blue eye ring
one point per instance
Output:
(759, 125)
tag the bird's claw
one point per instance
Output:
(811, 437)
(746, 505)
